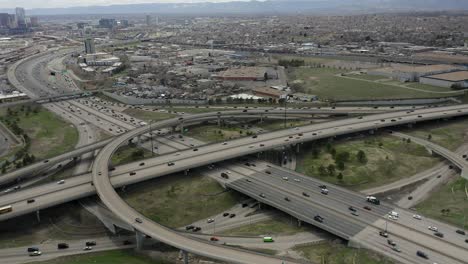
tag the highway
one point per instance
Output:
(210, 153)
(111, 199)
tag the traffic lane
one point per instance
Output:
(311, 185)
(373, 240)
(332, 199)
(297, 208)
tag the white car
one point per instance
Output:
(211, 220)
(297, 180)
(35, 253)
(394, 214)
(417, 217)
(87, 248)
(61, 182)
(392, 217)
(433, 228)
(286, 178)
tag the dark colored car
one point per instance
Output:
(461, 232)
(127, 242)
(90, 243)
(31, 201)
(32, 249)
(421, 254)
(318, 218)
(305, 194)
(62, 245)
(225, 214)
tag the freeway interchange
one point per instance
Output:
(362, 230)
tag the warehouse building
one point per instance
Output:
(244, 74)
(408, 73)
(450, 80)
(269, 92)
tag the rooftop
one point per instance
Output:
(452, 76)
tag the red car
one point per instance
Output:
(214, 239)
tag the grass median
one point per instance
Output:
(388, 159)
(338, 253)
(178, 200)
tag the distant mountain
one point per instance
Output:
(265, 7)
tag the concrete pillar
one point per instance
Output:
(182, 128)
(219, 120)
(299, 223)
(185, 256)
(372, 132)
(297, 148)
(140, 237)
(139, 140)
(173, 129)
(410, 125)
(186, 172)
(261, 118)
(38, 216)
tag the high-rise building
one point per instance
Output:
(89, 46)
(4, 20)
(13, 21)
(34, 22)
(107, 22)
(20, 17)
(148, 20)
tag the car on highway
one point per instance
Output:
(297, 180)
(196, 229)
(35, 253)
(367, 208)
(391, 242)
(31, 201)
(285, 178)
(132, 173)
(268, 172)
(138, 220)
(142, 164)
(433, 228)
(396, 249)
(225, 214)
(392, 217)
(214, 239)
(262, 195)
(32, 249)
(383, 234)
(351, 208)
(461, 232)
(62, 246)
(232, 215)
(421, 254)
(170, 164)
(355, 213)
(287, 199)
(417, 217)
(61, 182)
(189, 227)
(439, 234)
(305, 194)
(87, 248)
(318, 218)
(324, 191)
(210, 220)
(322, 186)
(90, 243)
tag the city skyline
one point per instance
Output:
(30, 4)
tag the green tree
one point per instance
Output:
(429, 137)
(361, 157)
(331, 169)
(322, 170)
(340, 176)
(340, 165)
(342, 156)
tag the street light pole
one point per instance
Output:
(151, 137)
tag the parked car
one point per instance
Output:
(62, 245)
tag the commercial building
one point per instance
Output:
(21, 17)
(244, 74)
(409, 73)
(457, 79)
(34, 21)
(107, 22)
(148, 20)
(269, 92)
(4, 20)
(89, 46)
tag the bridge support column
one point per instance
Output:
(186, 172)
(140, 237)
(173, 129)
(464, 173)
(372, 132)
(299, 223)
(138, 140)
(185, 256)
(410, 125)
(38, 216)
(219, 121)
(297, 148)
(182, 128)
(261, 118)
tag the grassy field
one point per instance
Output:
(213, 133)
(366, 77)
(429, 87)
(324, 83)
(195, 197)
(450, 196)
(49, 134)
(106, 257)
(389, 159)
(337, 253)
(449, 134)
(147, 115)
(278, 124)
(126, 154)
(274, 227)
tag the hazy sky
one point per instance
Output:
(67, 3)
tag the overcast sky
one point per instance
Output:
(28, 4)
